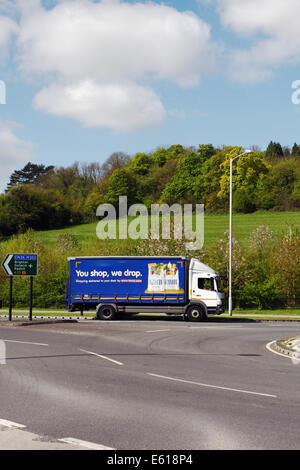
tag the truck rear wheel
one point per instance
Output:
(106, 312)
(196, 313)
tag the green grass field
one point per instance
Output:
(214, 227)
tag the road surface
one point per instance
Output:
(150, 385)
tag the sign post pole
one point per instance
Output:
(30, 299)
(10, 297)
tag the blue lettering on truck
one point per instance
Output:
(126, 280)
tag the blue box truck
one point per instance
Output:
(166, 284)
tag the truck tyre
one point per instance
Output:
(196, 313)
(106, 312)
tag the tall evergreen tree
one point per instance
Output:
(274, 150)
(28, 174)
(296, 150)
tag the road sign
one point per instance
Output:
(20, 264)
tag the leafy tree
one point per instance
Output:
(98, 195)
(241, 272)
(141, 163)
(164, 174)
(174, 151)
(281, 184)
(207, 184)
(246, 174)
(243, 201)
(181, 188)
(286, 263)
(121, 183)
(26, 206)
(205, 152)
(296, 192)
(162, 155)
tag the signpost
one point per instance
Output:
(19, 264)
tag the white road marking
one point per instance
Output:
(103, 357)
(24, 342)
(213, 386)
(11, 424)
(216, 327)
(88, 445)
(268, 346)
(155, 331)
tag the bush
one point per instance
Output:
(243, 202)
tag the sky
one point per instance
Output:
(81, 79)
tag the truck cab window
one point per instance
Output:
(219, 284)
(205, 283)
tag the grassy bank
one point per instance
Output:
(214, 227)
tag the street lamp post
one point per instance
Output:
(230, 233)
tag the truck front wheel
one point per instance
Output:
(106, 312)
(196, 313)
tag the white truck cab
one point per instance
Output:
(205, 286)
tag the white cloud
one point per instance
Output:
(7, 28)
(108, 40)
(109, 50)
(14, 151)
(123, 108)
(7, 6)
(273, 25)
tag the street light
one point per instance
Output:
(230, 233)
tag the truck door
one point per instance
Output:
(203, 288)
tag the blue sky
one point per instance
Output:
(85, 79)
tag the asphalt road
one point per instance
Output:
(152, 384)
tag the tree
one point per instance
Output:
(174, 151)
(274, 150)
(205, 152)
(207, 185)
(25, 206)
(162, 155)
(141, 163)
(181, 188)
(286, 263)
(91, 173)
(164, 174)
(243, 202)
(247, 172)
(121, 183)
(296, 150)
(281, 183)
(98, 195)
(115, 161)
(28, 175)
(241, 273)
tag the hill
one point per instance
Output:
(214, 227)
